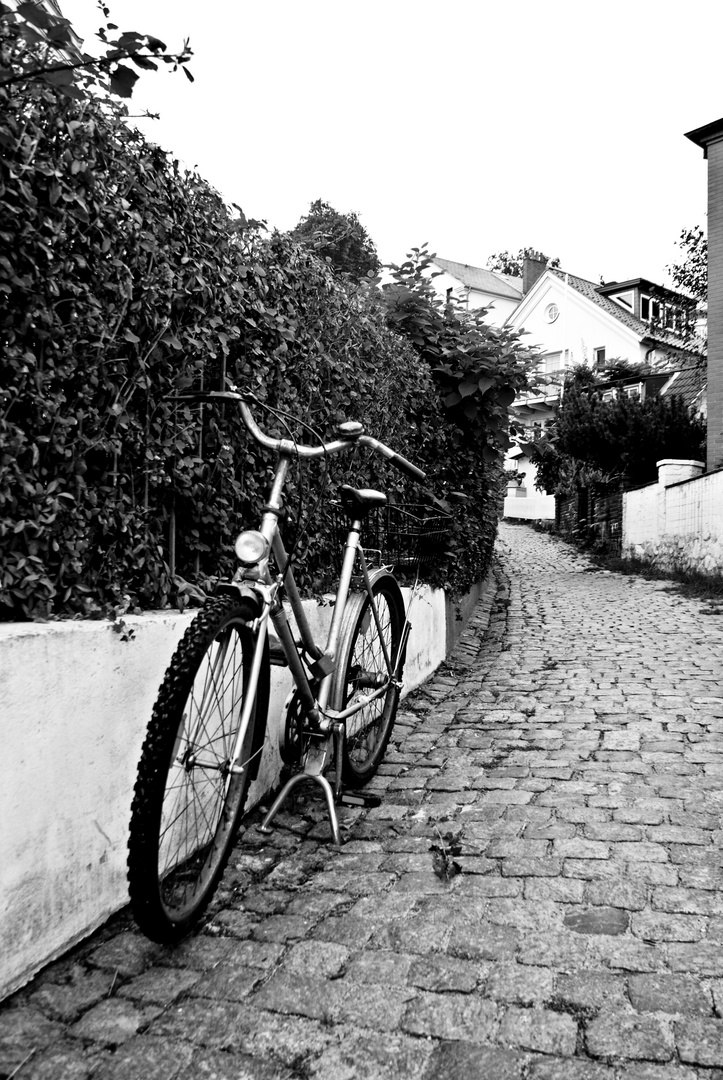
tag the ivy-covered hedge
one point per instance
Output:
(123, 280)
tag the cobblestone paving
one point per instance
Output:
(537, 897)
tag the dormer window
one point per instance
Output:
(649, 309)
(626, 300)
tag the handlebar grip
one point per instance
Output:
(405, 466)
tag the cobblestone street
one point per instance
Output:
(538, 896)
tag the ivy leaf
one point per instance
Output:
(122, 80)
(144, 62)
(467, 387)
(34, 14)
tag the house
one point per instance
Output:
(477, 288)
(573, 321)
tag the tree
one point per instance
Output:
(340, 238)
(505, 262)
(615, 443)
(479, 369)
(691, 273)
(44, 50)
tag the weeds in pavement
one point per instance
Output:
(696, 586)
(443, 855)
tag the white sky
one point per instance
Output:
(476, 126)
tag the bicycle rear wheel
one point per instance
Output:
(367, 658)
(187, 803)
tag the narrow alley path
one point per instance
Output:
(537, 898)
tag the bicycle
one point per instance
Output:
(208, 726)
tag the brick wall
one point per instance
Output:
(715, 304)
(710, 139)
(606, 518)
(591, 516)
(570, 512)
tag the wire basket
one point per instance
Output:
(403, 537)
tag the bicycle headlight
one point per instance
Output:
(251, 547)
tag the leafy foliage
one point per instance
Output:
(45, 50)
(123, 280)
(509, 263)
(477, 371)
(612, 443)
(340, 238)
(691, 273)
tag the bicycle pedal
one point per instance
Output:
(354, 798)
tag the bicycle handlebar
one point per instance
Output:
(295, 449)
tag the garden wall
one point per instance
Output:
(677, 525)
(76, 701)
(529, 507)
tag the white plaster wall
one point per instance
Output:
(76, 700)
(695, 507)
(640, 517)
(677, 527)
(580, 328)
(532, 508)
(500, 308)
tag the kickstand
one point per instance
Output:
(286, 791)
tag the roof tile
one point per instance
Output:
(590, 290)
(475, 277)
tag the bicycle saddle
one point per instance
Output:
(359, 501)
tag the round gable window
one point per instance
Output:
(551, 312)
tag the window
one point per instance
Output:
(634, 392)
(626, 300)
(551, 312)
(599, 356)
(609, 395)
(669, 315)
(553, 362)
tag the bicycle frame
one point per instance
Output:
(323, 720)
(326, 729)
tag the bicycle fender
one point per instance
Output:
(242, 591)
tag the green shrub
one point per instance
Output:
(124, 279)
(613, 443)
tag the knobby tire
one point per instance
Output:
(361, 660)
(187, 806)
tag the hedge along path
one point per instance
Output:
(125, 280)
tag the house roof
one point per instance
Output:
(703, 135)
(475, 277)
(688, 382)
(593, 292)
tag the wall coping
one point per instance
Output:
(680, 461)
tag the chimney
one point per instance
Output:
(534, 265)
(710, 139)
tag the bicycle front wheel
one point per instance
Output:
(368, 655)
(187, 803)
